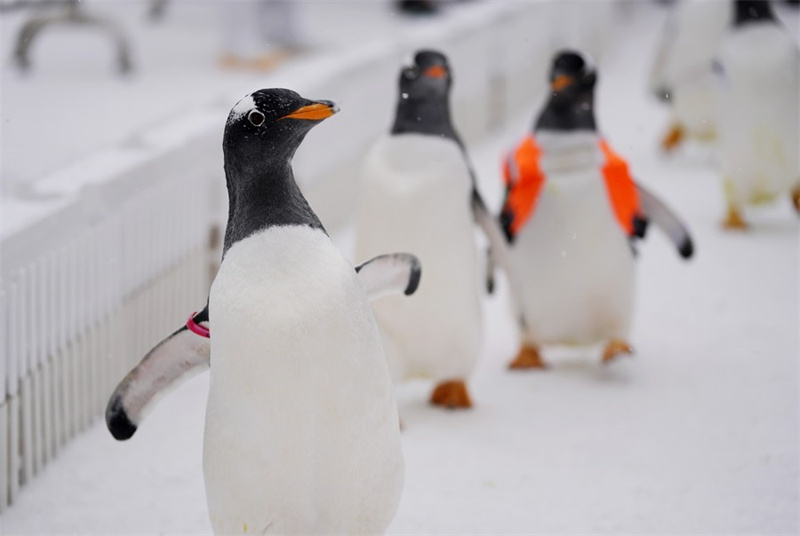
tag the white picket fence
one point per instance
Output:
(94, 273)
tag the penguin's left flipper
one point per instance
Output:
(394, 273)
(497, 253)
(174, 360)
(656, 211)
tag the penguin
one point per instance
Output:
(759, 84)
(417, 7)
(571, 213)
(301, 431)
(418, 193)
(683, 71)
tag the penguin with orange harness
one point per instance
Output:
(571, 213)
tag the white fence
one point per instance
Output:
(94, 274)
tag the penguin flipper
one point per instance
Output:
(174, 360)
(497, 253)
(393, 273)
(666, 220)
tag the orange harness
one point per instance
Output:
(524, 179)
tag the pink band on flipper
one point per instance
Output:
(194, 327)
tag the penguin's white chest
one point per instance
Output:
(685, 60)
(301, 424)
(415, 197)
(758, 113)
(574, 264)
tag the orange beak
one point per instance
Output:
(561, 81)
(437, 71)
(312, 112)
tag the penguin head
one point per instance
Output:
(573, 77)
(428, 78)
(424, 103)
(747, 11)
(271, 123)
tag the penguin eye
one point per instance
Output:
(410, 73)
(256, 118)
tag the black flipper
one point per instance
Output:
(174, 360)
(497, 253)
(663, 218)
(394, 273)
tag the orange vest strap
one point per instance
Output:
(621, 188)
(524, 180)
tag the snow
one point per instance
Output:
(696, 433)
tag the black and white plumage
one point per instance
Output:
(301, 424)
(683, 70)
(759, 83)
(571, 259)
(418, 194)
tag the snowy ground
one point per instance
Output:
(696, 434)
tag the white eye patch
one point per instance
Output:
(590, 66)
(243, 107)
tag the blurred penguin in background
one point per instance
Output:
(571, 213)
(759, 88)
(417, 7)
(260, 34)
(419, 195)
(682, 74)
(422, 7)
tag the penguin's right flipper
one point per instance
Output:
(175, 359)
(394, 273)
(657, 212)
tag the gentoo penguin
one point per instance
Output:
(417, 7)
(758, 114)
(570, 214)
(301, 432)
(683, 71)
(418, 194)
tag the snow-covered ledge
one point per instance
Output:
(104, 257)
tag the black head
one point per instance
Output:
(424, 101)
(428, 77)
(271, 123)
(749, 11)
(571, 104)
(263, 132)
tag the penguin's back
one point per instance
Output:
(415, 197)
(301, 426)
(758, 112)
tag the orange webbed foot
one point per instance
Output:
(614, 348)
(672, 138)
(528, 358)
(451, 394)
(734, 221)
